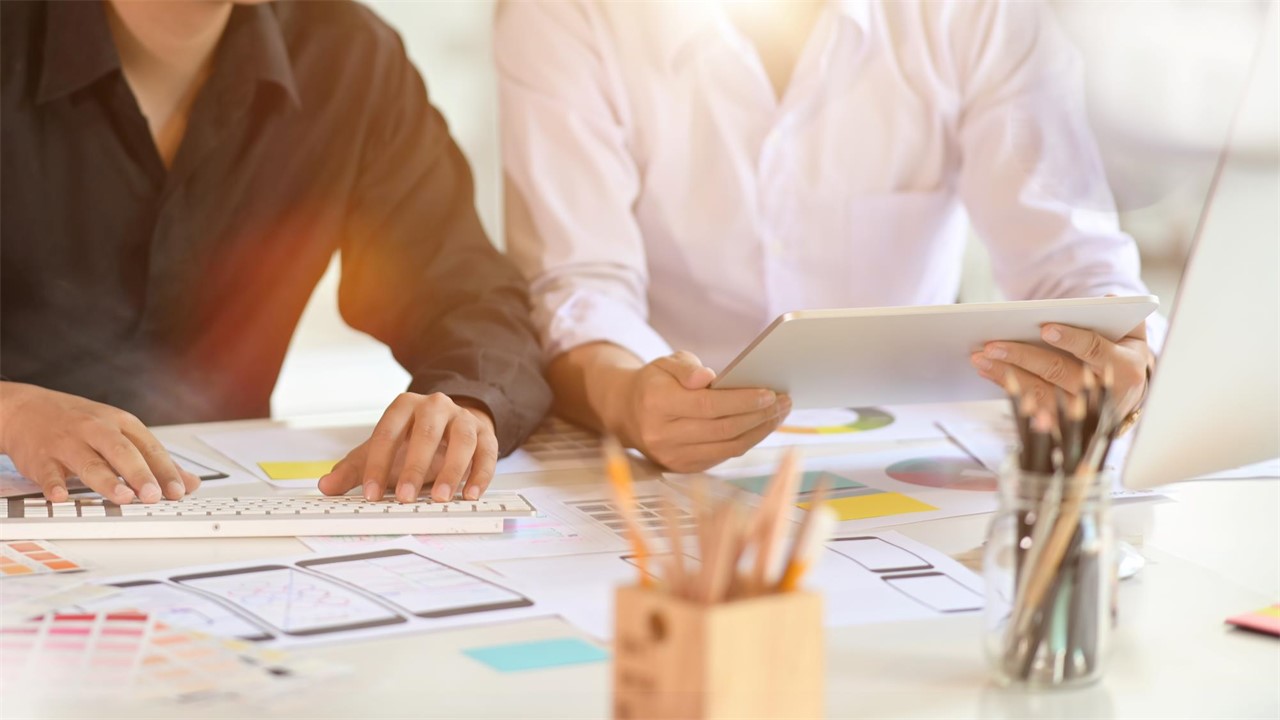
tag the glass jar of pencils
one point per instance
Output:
(1050, 575)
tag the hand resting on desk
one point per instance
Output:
(52, 436)
(421, 440)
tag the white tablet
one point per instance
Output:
(899, 355)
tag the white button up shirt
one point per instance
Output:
(659, 196)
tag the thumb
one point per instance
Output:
(687, 369)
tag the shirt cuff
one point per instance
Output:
(588, 317)
(513, 420)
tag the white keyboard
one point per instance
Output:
(37, 519)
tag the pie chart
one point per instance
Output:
(946, 473)
(836, 421)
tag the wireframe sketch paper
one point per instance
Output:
(387, 589)
(864, 578)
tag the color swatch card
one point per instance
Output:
(1266, 620)
(134, 655)
(20, 558)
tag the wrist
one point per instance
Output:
(12, 398)
(615, 406)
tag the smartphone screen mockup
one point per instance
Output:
(417, 584)
(292, 601)
(180, 608)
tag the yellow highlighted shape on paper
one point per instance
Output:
(298, 469)
(1273, 611)
(860, 507)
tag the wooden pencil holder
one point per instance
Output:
(755, 658)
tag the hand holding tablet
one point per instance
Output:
(879, 356)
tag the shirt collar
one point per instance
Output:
(254, 41)
(690, 25)
(79, 49)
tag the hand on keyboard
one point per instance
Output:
(421, 440)
(53, 436)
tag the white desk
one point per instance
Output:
(1214, 553)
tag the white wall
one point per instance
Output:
(1163, 79)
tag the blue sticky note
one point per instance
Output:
(538, 654)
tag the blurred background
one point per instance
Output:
(1163, 77)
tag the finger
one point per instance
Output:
(52, 479)
(190, 481)
(687, 369)
(701, 457)
(706, 404)
(1093, 349)
(346, 474)
(691, 431)
(128, 463)
(483, 464)
(1038, 389)
(463, 438)
(383, 443)
(1053, 366)
(96, 474)
(429, 424)
(157, 458)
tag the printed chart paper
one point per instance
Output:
(878, 489)
(835, 426)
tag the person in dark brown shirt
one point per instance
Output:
(176, 178)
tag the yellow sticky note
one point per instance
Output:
(1273, 611)
(860, 507)
(297, 470)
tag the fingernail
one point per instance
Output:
(176, 489)
(472, 493)
(996, 352)
(58, 494)
(1051, 334)
(443, 491)
(371, 490)
(123, 495)
(767, 398)
(149, 493)
(405, 493)
(982, 362)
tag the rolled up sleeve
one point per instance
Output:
(570, 180)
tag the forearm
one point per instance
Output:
(588, 382)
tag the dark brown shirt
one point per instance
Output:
(173, 293)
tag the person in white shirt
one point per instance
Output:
(680, 173)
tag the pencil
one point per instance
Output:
(813, 531)
(768, 530)
(618, 469)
